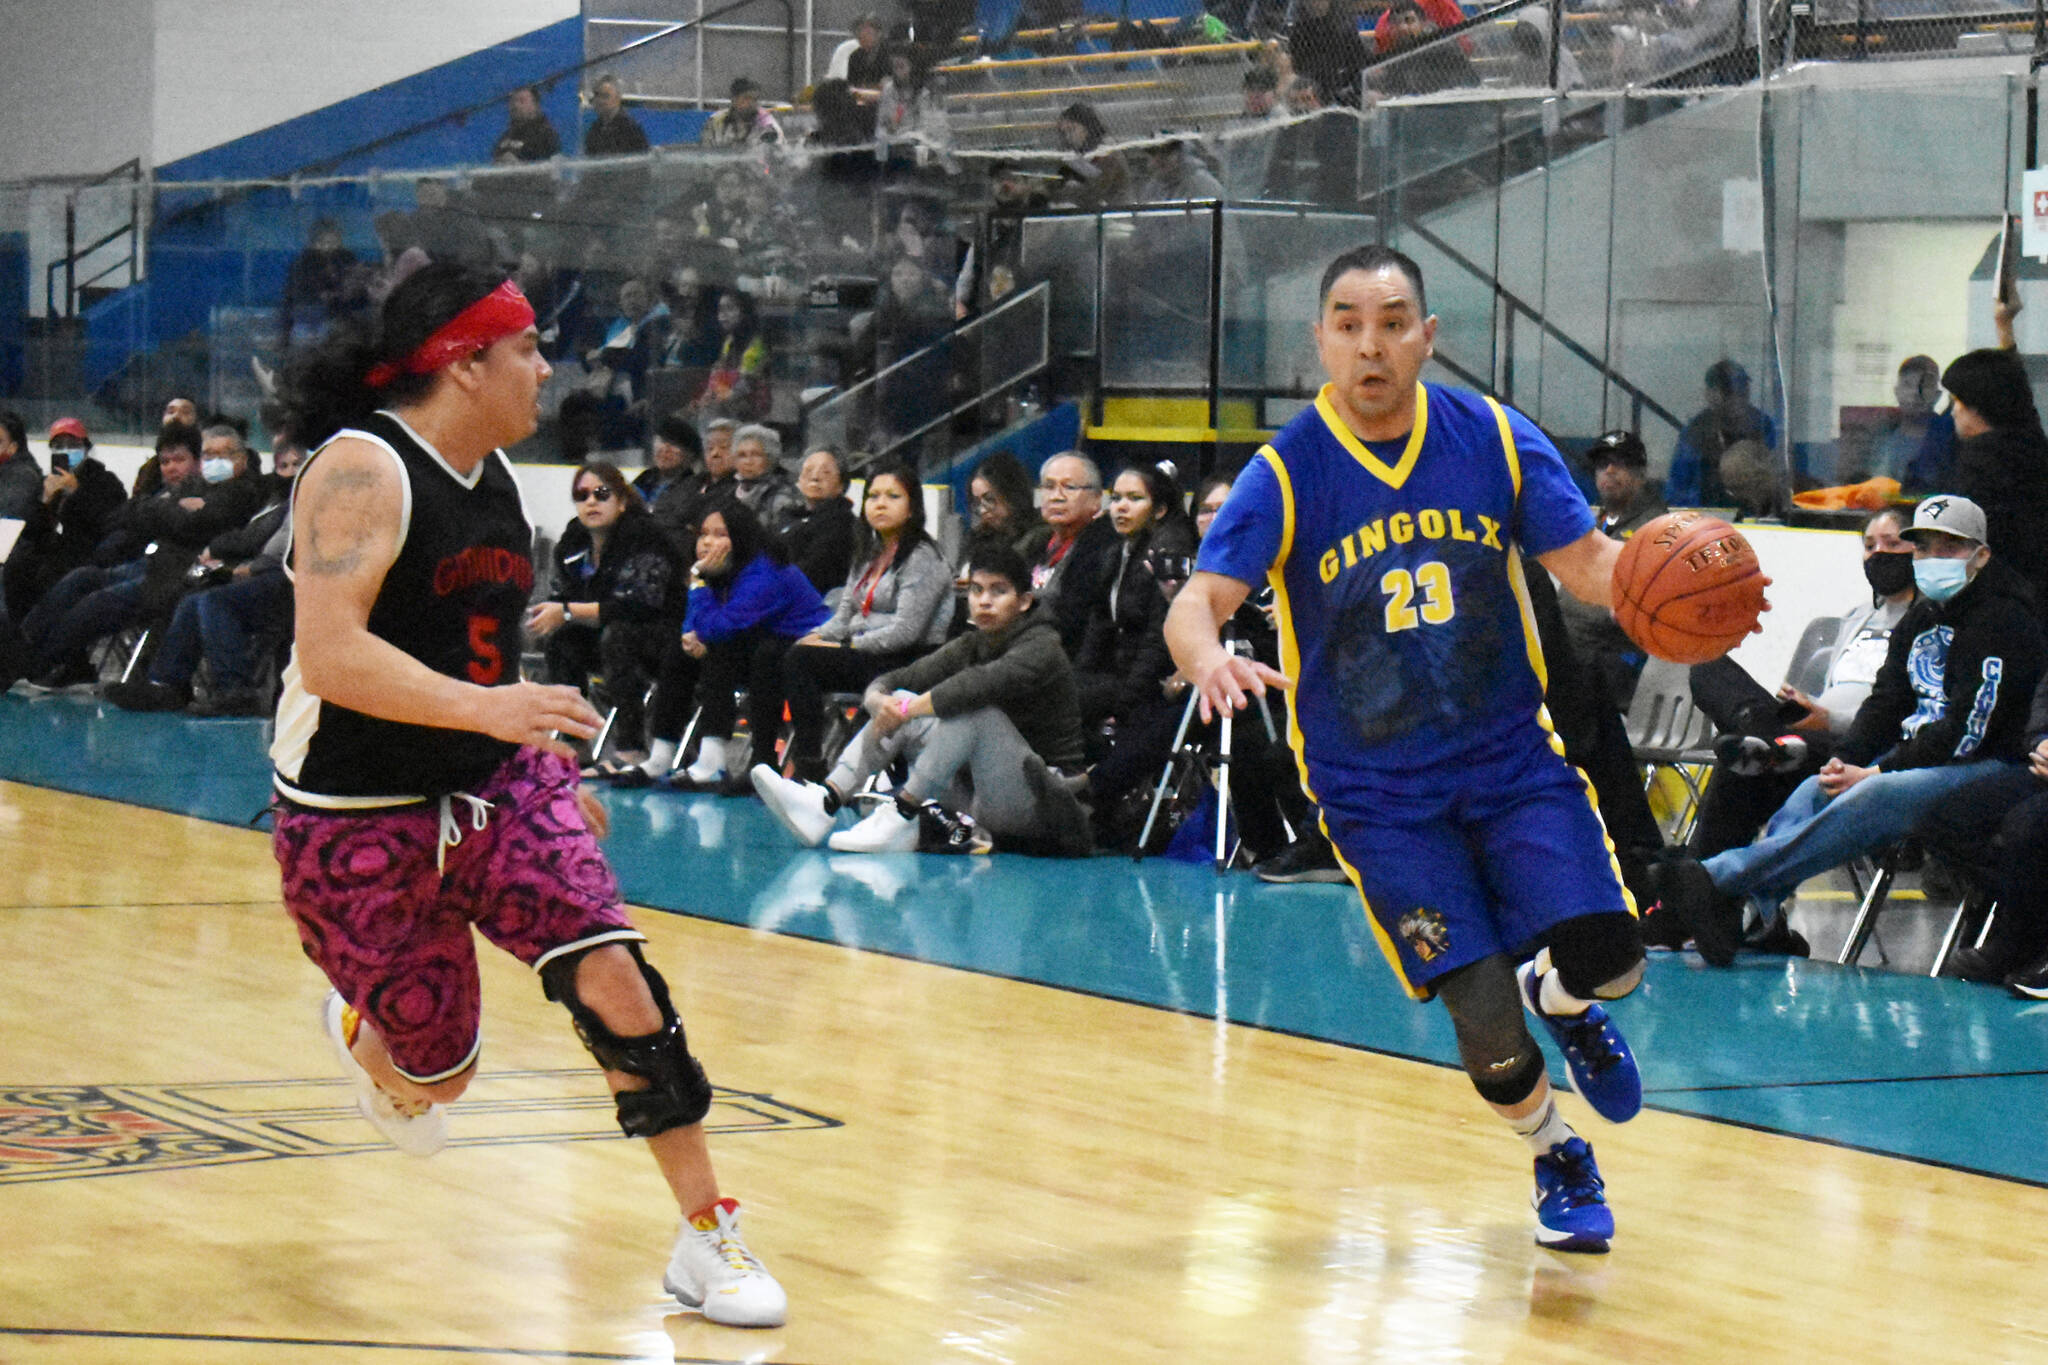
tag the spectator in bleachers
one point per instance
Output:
(683, 505)
(614, 132)
(614, 602)
(747, 605)
(841, 119)
(1173, 174)
(676, 447)
(2002, 457)
(1949, 703)
(1439, 14)
(758, 480)
(738, 385)
(1325, 46)
(891, 610)
(1770, 743)
(1529, 44)
(999, 501)
(1067, 556)
(1434, 66)
(907, 104)
(743, 122)
(241, 603)
(1247, 153)
(818, 535)
(178, 408)
(633, 343)
(1123, 658)
(1089, 178)
(79, 497)
(1727, 418)
(447, 230)
(1621, 473)
(21, 478)
(996, 706)
(223, 492)
(528, 135)
(402, 255)
(1916, 445)
(862, 61)
(325, 281)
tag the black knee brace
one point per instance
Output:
(1494, 1042)
(677, 1092)
(1598, 957)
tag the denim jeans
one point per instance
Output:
(1813, 832)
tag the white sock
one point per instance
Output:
(710, 761)
(661, 756)
(1551, 995)
(1545, 1130)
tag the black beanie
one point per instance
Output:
(1994, 385)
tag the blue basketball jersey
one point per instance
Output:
(1396, 568)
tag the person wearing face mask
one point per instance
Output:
(1948, 706)
(79, 497)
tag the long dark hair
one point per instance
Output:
(325, 388)
(1009, 480)
(1164, 490)
(750, 320)
(750, 539)
(614, 478)
(866, 543)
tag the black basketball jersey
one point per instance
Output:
(453, 599)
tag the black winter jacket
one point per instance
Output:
(638, 578)
(2005, 472)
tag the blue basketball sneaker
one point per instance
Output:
(1571, 1200)
(1603, 1069)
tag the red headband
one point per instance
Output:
(499, 314)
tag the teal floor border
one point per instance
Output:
(1935, 1071)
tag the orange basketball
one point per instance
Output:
(1688, 587)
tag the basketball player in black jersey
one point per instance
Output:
(424, 788)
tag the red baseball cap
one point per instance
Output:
(70, 426)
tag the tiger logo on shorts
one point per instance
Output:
(1427, 934)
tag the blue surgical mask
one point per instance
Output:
(217, 470)
(1941, 579)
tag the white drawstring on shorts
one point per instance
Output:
(451, 824)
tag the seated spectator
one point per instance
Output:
(841, 120)
(999, 502)
(1174, 175)
(1916, 445)
(222, 492)
(1728, 417)
(1089, 178)
(1529, 43)
(325, 282)
(1440, 14)
(634, 340)
(758, 478)
(1770, 743)
(2002, 457)
(907, 105)
(1247, 153)
(738, 385)
(747, 605)
(1621, 473)
(528, 135)
(615, 600)
(1433, 66)
(682, 507)
(243, 602)
(1754, 480)
(614, 132)
(447, 230)
(1948, 705)
(1067, 557)
(180, 409)
(1123, 658)
(21, 478)
(676, 447)
(891, 610)
(818, 536)
(80, 496)
(862, 61)
(743, 122)
(1325, 46)
(996, 708)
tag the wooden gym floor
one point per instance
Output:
(977, 1110)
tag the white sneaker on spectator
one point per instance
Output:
(884, 830)
(798, 807)
(412, 1127)
(711, 1270)
(710, 764)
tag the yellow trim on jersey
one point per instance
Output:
(1397, 475)
(1290, 664)
(1507, 444)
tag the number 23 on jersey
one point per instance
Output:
(1433, 579)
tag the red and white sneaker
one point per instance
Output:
(712, 1271)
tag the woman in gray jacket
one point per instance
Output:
(894, 608)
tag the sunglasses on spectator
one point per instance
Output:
(597, 490)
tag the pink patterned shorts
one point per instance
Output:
(391, 929)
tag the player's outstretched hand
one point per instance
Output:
(1232, 681)
(535, 714)
(596, 818)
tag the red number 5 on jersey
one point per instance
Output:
(488, 665)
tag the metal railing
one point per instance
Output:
(75, 256)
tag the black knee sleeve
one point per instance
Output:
(677, 1092)
(1494, 1042)
(1598, 957)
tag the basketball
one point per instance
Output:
(1688, 587)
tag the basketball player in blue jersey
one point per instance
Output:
(425, 791)
(1391, 520)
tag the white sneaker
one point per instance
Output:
(413, 1128)
(798, 807)
(711, 1270)
(884, 830)
(710, 764)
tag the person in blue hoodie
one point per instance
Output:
(746, 602)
